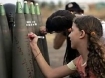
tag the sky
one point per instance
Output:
(87, 1)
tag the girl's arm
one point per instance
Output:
(45, 68)
(59, 40)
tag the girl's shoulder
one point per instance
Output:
(77, 59)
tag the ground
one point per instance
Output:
(56, 56)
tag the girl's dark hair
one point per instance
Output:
(96, 60)
(59, 21)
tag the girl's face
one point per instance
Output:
(75, 36)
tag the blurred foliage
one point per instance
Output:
(51, 5)
(43, 4)
(100, 5)
(60, 4)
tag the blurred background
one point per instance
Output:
(91, 7)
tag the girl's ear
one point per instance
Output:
(82, 35)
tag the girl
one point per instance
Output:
(85, 36)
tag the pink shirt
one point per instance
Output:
(81, 68)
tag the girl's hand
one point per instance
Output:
(33, 39)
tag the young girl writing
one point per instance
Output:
(85, 36)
